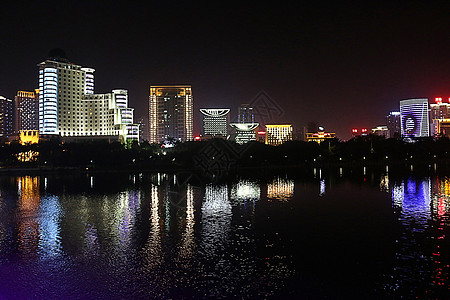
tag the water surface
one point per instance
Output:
(144, 236)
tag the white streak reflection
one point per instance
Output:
(188, 241)
(216, 219)
(50, 227)
(245, 190)
(152, 249)
(322, 187)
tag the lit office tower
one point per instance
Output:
(394, 124)
(414, 118)
(69, 107)
(171, 113)
(440, 118)
(246, 114)
(5, 117)
(26, 111)
(215, 121)
(278, 134)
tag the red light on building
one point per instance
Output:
(261, 132)
(197, 138)
(364, 130)
(438, 100)
(354, 130)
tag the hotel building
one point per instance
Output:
(278, 134)
(440, 118)
(215, 122)
(26, 111)
(414, 118)
(171, 113)
(68, 106)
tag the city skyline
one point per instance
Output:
(316, 61)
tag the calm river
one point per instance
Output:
(334, 234)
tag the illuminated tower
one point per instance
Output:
(26, 111)
(440, 118)
(5, 117)
(171, 112)
(246, 114)
(394, 124)
(215, 121)
(61, 86)
(414, 118)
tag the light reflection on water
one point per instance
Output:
(421, 207)
(162, 238)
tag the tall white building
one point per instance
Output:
(215, 121)
(69, 107)
(414, 118)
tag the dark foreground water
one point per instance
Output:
(335, 235)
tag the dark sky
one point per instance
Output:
(341, 65)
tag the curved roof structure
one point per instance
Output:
(215, 112)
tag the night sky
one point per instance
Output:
(340, 65)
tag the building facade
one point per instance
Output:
(215, 122)
(414, 118)
(278, 134)
(246, 114)
(381, 131)
(393, 122)
(319, 136)
(171, 113)
(26, 111)
(439, 118)
(6, 117)
(244, 132)
(68, 106)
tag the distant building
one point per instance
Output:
(69, 108)
(439, 109)
(171, 113)
(439, 116)
(414, 118)
(441, 128)
(143, 129)
(393, 122)
(246, 114)
(26, 111)
(244, 132)
(319, 136)
(381, 131)
(6, 117)
(215, 122)
(278, 134)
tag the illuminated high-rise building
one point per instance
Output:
(278, 134)
(171, 113)
(6, 121)
(68, 106)
(26, 111)
(414, 118)
(215, 121)
(394, 124)
(246, 114)
(440, 118)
